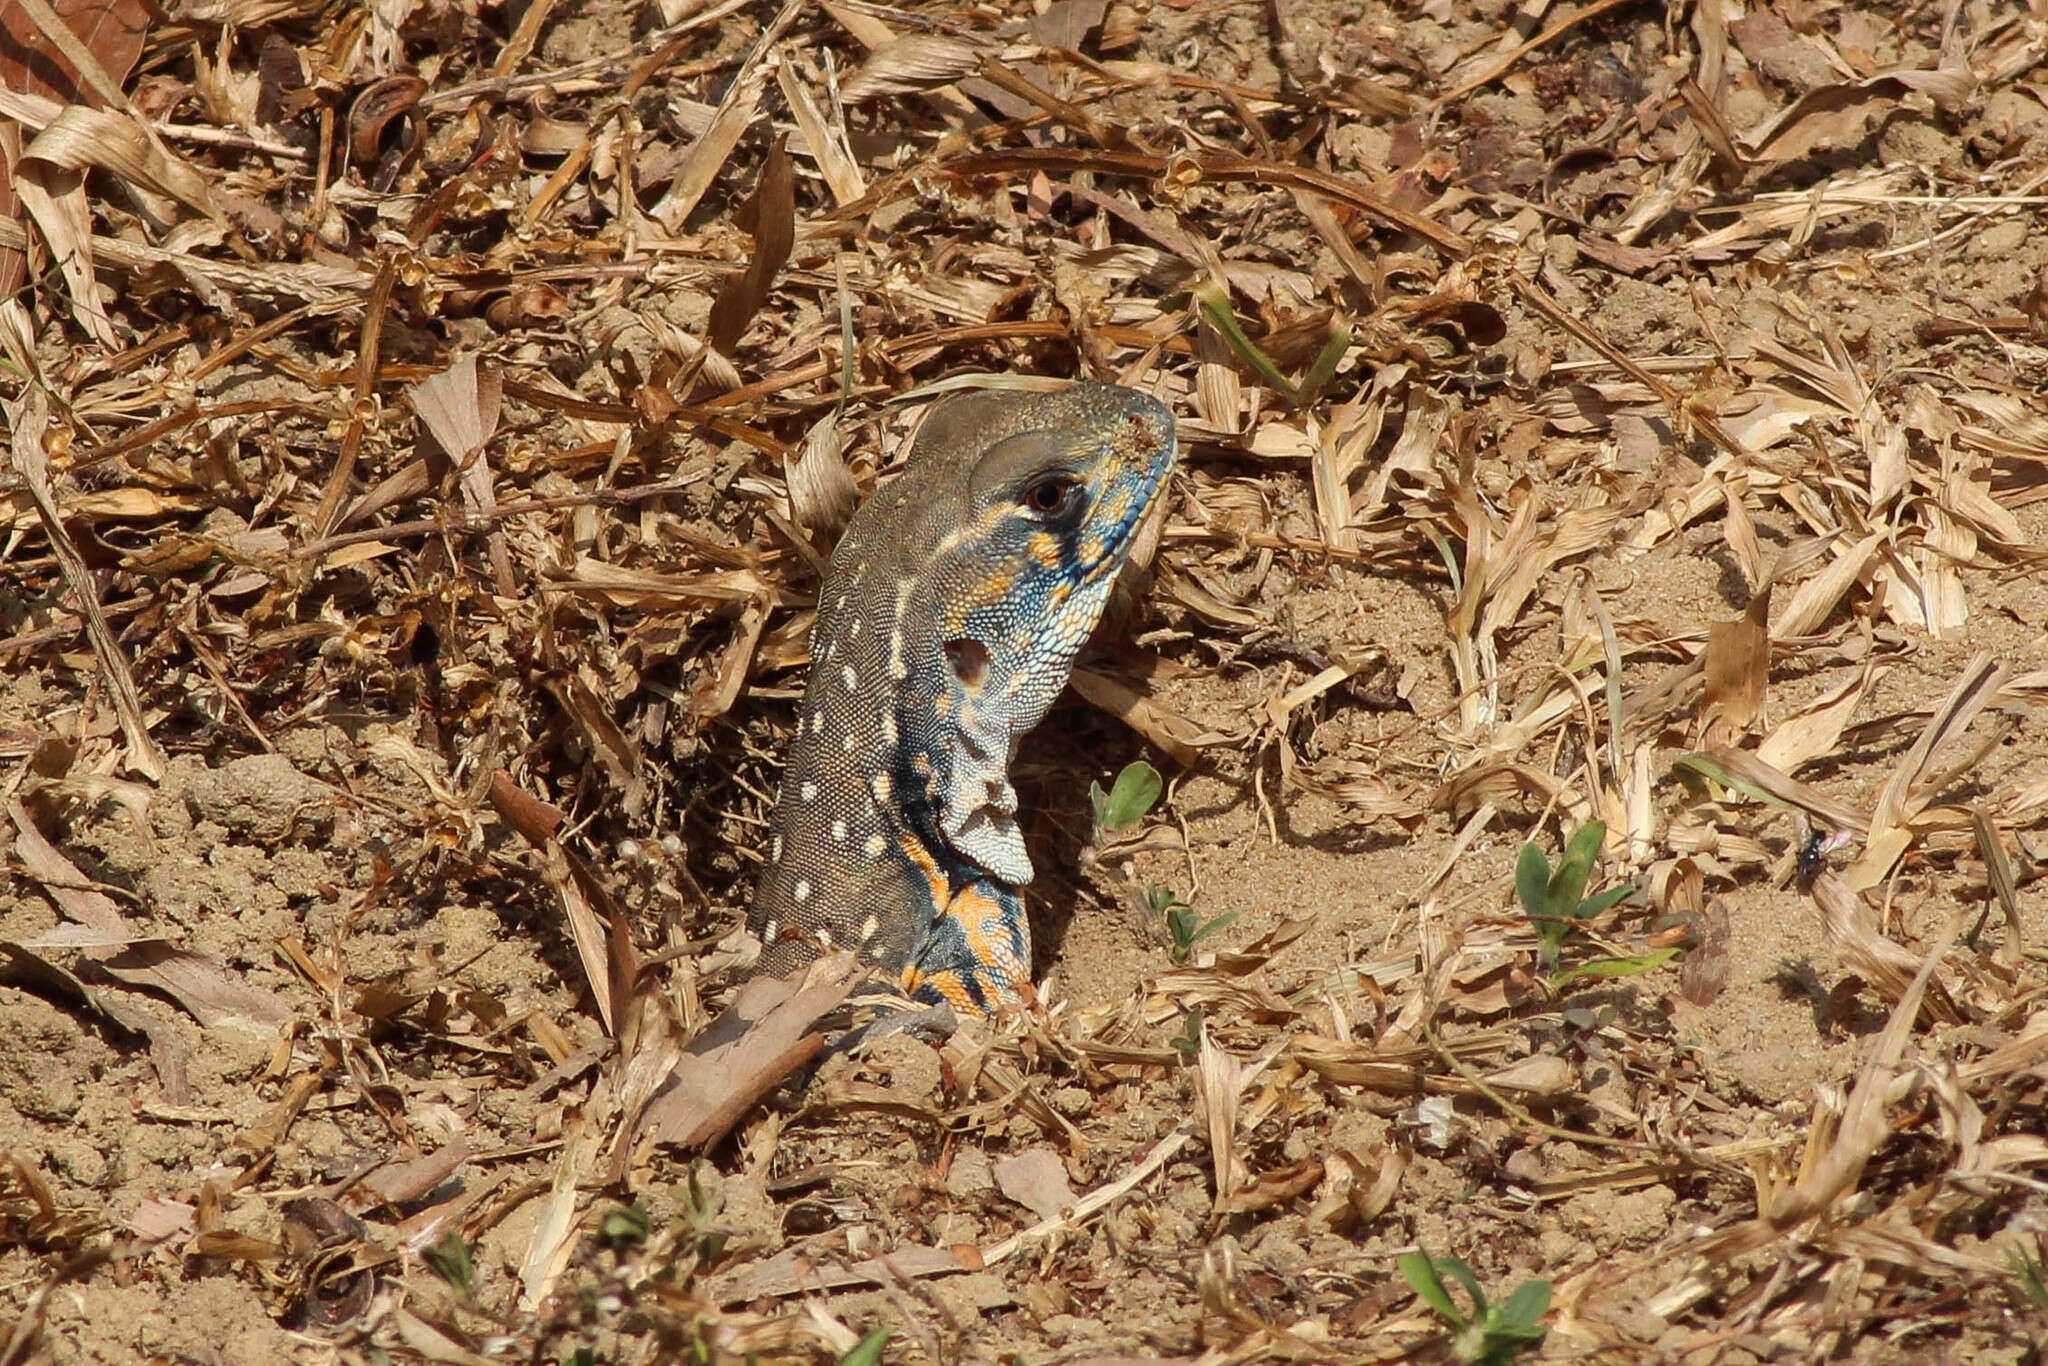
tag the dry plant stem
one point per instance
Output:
(1098, 1199)
(705, 414)
(366, 373)
(515, 52)
(432, 525)
(1683, 415)
(579, 157)
(211, 663)
(1074, 116)
(1227, 169)
(581, 893)
(1543, 39)
(1479, 1083)
(29, 417)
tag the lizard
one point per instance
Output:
(948, 622)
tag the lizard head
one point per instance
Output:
(1048, 494)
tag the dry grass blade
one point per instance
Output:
(580, 892)
(28, 418)
(1998, 872)
(1852, 928)
(1738, 664)
(765, 1034)
(906, 66)
(1908, 792)
(1863, 1129)
(769, 215)
(1753, 773)
(1225, 169)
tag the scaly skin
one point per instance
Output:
(947, 626)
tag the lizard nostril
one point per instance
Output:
(969, 659)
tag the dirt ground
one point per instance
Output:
(1682, 468)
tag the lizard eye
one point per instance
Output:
(1052, 495)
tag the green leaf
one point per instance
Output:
(1616, 967)
(868, 1351)
(1216, 311)
(1460, 1270)
(2033, 1283)
(1161, 899)
(1595, 906)
(1188, 929)
(1522, 1313)
(1532, 880)
(1136, 792)
(1568, 883)
(450, 1260)
(1419, 1270)
(624, 1225)
(1323, 368)
(1690, 768)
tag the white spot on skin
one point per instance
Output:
(846, 743)
(775, 850)
(881, 787)
(825, 938)
(898, 670)
(888, 727)
(769, 931)
(839, 830)
(840, 605)
(869, 928)
(801, 892)
(817, 723)
(850, 679)
(809, 792)
(874, 847)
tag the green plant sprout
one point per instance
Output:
(1556, 903)
(1492, 1334)
(1136, 791)
(450, 1259)
(868, 1351)
(1216, 311)
(1183, 922)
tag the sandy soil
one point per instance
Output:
(375, 974)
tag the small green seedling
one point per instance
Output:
(1216, 311)
(2033, 1284)
(1136, 791)
(868, 1351)
(1183, 923)
(450, 1260)
(1492, 1334)
(625, 1226)
(1188, 1043)
(1556, 902)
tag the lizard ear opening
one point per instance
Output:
(969, 659)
